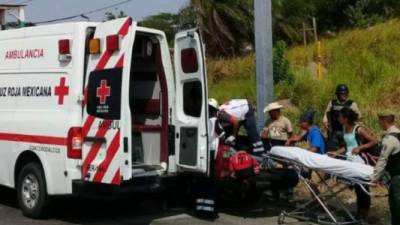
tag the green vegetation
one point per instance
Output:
(171, 23)
(365, 59)
(227, 26)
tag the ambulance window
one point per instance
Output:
(104, 94)
(189, 60)
(192, 98)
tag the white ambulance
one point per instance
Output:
(99, 105)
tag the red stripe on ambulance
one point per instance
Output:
(105, 127)
(94, 149)
(33, 139)
(120, 63)
(107, 54)
(111, 151)
(86, 126)
(117, 178)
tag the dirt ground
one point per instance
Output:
(379, 213)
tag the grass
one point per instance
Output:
(368, 60)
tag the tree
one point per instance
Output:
(111, 16)
(166, 22)
(225, 25)
(171, 23)
(15, 25)
(288, 18)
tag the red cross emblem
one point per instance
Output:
(61, 90)
(103, 92)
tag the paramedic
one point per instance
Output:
(331, 116)
(352, 148)
(278, 129)
(390, 161)
(312, 134)
(239, 112)
(204, 188)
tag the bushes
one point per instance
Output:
(366, 60)
(281, 64)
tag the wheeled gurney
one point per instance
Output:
(343, 172)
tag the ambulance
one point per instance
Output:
(99, 105)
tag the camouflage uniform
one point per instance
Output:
(390, 161)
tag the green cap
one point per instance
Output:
(386, 113)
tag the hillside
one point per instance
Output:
(368, 60)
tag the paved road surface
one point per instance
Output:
(132, 212)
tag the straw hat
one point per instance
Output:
(272, 106)
(386, 113)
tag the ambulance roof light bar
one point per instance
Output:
(112, 44)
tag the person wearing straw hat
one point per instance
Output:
(278, 129)
(389, 160)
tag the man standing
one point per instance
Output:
(331, 116)
(389, 160)
(278, 129)
(239, 112)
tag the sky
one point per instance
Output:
(42, 10)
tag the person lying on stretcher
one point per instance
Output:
(311, 133)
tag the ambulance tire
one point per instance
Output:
(32, 191)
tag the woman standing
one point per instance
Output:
(356, 139)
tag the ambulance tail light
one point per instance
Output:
(64, 50)
(112, 43)
(74, 145)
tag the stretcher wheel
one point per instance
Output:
(281, 219)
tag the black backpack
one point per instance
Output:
(370, 155)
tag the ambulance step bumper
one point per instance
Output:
(153, 184)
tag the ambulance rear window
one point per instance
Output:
(104, 94)
(192, 98)
(189, 60)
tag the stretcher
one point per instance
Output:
(335, 177)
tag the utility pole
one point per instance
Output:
(264, 49)
(315, 29)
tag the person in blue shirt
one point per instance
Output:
(311, 133)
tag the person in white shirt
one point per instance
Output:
(238, 112)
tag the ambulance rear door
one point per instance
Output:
(191, 137)
(106, 129)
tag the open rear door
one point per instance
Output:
(191, 103)
(106, 154)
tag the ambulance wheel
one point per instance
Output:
(32, 191)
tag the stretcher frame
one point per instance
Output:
(304, 212)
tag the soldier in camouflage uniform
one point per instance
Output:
(389, 161)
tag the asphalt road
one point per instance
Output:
(143, 210)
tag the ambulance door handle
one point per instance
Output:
(100, 140)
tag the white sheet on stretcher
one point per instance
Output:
(324, 163)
